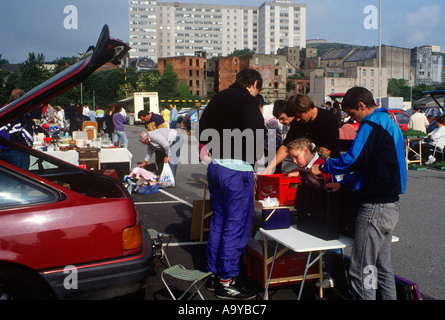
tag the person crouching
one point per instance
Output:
(167, 139)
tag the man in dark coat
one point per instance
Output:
(228, 129)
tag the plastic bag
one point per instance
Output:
(270, 202)
(167, 180)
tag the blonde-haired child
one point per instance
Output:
(305, 154)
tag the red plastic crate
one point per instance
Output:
(278, 186)
(288, 265)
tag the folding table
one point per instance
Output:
(301, 242)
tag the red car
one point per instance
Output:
(400, 117)
(65, 232)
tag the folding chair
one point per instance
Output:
(91, 128)
(158, 246)
(440, 150)
(180, 272)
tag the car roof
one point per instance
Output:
(396, 109)
(106, 50)
(334, 96)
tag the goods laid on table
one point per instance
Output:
(318, 211)
(64, 142)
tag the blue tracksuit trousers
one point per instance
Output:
(231, 194)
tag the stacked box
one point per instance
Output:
(288, 265)
(89, 157)
(278, 186)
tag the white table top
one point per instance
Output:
(115, 155)
(105, 155)
(300, 241)
(72, 156)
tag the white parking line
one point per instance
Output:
(177, 199)
(181, 244)
(158, 202)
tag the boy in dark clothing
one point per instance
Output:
(227, 124)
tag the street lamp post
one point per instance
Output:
(80, 53)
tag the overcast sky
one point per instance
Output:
(38, 25)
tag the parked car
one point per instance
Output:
(435, 108)
(338, 97)
(66, 232)
(431, 112)
(192, 116)
(400, 117)
(182, 113)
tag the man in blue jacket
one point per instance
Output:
(375, 169)
(229, 121)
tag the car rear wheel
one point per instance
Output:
(20, 284)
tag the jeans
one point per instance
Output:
(370, 266)
(122, 135)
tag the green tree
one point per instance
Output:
(417, 91)
(8, 82)
(32, 72)
(124, 90)
(147, 80)
(167, 86)
(298, 75)
(398, 88)
(101, 87)
(441, 86)
(242, 52)
(185, 94)
(3, 61)
(73, 94)
(290, 86)
(63, 63)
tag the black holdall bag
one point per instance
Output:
(349, 206)
(324, 213)
(318, 212)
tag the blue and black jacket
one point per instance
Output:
(375, 166)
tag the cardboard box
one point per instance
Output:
(278, 186)
(195, 227)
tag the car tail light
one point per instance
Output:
(131, 238)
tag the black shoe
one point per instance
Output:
(211, 283)
(235, 290)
